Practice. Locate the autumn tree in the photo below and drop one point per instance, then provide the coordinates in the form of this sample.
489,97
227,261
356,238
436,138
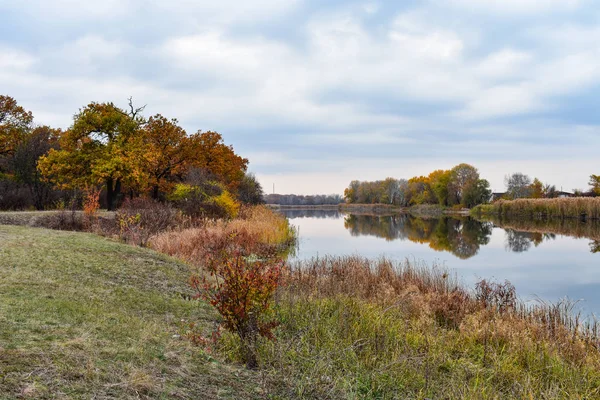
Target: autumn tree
209,152
536,189
164,152
477,192
15,122
420,192
351,192
390,188
97,150
439,181
23,162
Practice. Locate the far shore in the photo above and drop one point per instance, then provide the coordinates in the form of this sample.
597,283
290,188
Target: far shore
379,209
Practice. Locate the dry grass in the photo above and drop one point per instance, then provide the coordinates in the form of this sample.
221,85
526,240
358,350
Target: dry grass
358,328
573,207
192,244
434,291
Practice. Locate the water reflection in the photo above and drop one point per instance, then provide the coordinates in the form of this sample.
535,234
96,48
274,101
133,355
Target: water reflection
544,260
459,236
292,214
521,234
463,237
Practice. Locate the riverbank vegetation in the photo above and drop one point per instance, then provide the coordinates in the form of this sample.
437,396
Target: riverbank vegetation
562,208
357,328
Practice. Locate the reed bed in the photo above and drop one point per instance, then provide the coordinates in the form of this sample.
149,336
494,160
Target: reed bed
259,223
351,327
389,282
571,207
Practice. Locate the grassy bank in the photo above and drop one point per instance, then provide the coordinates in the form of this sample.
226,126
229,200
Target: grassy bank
83,317
574,207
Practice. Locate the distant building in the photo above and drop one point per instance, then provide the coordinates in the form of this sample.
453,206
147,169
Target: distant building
497,196
562,195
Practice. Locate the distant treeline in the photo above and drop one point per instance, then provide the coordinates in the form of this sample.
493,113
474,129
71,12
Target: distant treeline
301,200
460,186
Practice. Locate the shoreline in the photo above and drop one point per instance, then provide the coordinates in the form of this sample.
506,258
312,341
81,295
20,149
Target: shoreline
378,209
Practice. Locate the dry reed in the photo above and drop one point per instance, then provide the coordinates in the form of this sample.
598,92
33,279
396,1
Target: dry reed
570,207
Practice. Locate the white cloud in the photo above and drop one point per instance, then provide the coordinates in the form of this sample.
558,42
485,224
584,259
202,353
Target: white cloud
11,58
517,6
505,63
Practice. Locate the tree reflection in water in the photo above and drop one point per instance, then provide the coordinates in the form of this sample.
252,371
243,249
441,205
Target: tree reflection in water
520,242
522,233
459,236
299,213
464,236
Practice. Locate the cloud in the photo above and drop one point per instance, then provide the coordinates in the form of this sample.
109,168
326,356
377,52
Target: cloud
12,59
361,90
512,7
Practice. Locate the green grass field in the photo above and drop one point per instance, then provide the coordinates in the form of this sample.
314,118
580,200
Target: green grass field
84,317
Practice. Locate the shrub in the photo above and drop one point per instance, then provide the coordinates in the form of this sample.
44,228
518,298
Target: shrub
245,275
206,200
65,219
140,218
226,204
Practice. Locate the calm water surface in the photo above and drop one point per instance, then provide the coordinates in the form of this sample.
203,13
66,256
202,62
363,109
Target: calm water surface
545,261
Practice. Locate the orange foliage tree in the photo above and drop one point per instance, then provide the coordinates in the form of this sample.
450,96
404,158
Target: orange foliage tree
210,153
165,153
15,122
96,150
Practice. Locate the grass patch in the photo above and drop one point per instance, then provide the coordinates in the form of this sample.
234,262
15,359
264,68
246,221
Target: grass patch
85,317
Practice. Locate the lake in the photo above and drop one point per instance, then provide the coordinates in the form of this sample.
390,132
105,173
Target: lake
545,260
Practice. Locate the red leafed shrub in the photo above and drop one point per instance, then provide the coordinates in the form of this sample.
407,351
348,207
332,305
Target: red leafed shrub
244,276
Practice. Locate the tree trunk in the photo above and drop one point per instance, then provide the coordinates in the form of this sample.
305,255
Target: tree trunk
110,194
249,336
155,192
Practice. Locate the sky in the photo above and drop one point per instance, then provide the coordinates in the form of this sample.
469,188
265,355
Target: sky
318,93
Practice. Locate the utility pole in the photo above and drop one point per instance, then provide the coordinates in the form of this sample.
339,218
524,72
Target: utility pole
273,187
